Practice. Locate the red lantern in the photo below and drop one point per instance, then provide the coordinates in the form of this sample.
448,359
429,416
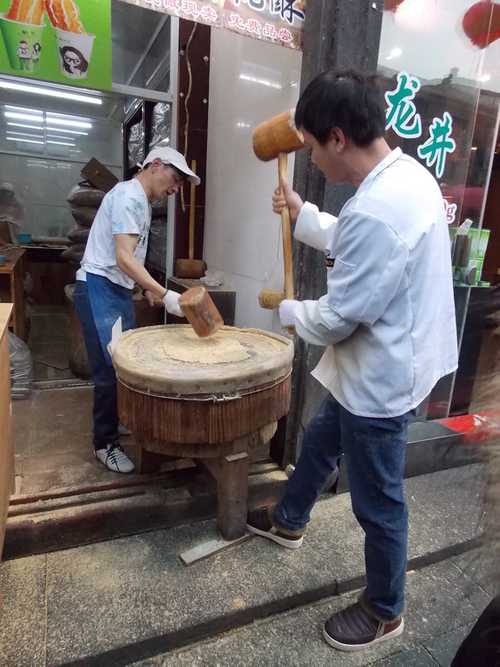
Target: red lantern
481,23
392,5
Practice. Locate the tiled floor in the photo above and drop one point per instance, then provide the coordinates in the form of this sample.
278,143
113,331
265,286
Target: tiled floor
123,600
53,441
49,343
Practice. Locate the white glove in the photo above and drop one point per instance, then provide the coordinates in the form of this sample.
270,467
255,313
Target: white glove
288,310
171,303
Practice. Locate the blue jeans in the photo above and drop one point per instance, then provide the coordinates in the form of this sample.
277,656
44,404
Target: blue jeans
374,452
97,336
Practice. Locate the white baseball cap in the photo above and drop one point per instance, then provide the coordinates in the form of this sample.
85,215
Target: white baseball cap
170,156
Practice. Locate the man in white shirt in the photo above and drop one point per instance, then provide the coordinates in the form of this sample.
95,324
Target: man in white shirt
112,264
388,325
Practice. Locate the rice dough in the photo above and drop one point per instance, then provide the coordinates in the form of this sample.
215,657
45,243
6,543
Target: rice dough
186,346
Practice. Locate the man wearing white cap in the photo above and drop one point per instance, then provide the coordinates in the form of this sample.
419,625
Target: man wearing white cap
112,264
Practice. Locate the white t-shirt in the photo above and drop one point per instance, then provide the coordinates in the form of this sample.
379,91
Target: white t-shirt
124,210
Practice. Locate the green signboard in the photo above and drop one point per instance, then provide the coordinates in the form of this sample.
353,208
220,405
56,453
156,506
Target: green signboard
57,40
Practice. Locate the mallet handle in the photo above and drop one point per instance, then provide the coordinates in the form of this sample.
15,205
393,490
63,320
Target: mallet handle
192,213
286,231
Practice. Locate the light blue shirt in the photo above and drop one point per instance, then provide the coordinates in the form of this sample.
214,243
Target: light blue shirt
124,210
388,318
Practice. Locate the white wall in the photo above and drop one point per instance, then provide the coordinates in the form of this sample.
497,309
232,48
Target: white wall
242,235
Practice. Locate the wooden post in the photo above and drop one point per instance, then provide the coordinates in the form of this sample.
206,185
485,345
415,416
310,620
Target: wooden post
232,495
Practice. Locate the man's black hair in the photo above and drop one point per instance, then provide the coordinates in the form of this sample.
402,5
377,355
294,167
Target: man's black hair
345,99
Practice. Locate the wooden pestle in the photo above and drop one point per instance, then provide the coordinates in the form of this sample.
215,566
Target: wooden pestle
200,311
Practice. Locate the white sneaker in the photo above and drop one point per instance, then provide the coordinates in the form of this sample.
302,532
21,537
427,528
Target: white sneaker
114,458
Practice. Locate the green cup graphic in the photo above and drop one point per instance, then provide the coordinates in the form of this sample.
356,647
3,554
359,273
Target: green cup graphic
23,43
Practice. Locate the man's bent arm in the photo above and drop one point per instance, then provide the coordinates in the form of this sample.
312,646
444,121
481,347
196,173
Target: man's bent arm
125,245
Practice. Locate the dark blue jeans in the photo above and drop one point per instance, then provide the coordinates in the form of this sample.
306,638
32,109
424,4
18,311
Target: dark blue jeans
374,454
105,410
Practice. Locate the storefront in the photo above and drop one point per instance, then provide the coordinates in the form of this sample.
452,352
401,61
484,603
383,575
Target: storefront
443,109
203,90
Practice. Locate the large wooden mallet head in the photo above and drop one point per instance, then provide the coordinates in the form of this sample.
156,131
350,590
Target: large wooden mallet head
272,139
200,311
277,135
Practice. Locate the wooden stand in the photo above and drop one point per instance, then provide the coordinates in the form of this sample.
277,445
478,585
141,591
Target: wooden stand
218,413
228,463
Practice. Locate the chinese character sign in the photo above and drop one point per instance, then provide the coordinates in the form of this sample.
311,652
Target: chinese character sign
66,42
402,117
278,21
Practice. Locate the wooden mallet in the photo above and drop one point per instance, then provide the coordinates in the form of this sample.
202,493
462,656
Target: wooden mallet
200,311
275,138
190,267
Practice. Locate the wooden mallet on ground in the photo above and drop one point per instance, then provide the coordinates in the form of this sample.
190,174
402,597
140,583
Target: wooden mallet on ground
275,138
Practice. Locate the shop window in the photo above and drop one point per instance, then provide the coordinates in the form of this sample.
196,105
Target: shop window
439,64
141,47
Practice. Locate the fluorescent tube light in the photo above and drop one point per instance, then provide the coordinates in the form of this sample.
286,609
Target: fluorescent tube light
60,143
38,112
59,129
28,141
25,134
49,92
23,116
63,129
27,127
57,136
68,123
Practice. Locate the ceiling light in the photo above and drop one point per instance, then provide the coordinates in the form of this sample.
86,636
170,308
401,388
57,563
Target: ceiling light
484,78
60,143
23,116
25,134
58,129
63,129
68,123
57,136
50,92
27,127
28,141
38,112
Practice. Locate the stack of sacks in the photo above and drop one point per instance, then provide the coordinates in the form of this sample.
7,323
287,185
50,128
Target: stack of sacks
84,200
21,367
156,257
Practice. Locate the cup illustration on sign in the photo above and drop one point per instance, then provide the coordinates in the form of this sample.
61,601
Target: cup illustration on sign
73,43
22,31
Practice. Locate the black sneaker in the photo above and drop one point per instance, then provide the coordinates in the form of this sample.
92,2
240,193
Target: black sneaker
354,629
260,522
